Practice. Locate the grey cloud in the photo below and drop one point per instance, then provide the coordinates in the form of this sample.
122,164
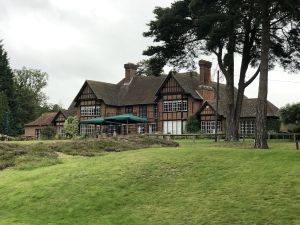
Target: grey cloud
104,42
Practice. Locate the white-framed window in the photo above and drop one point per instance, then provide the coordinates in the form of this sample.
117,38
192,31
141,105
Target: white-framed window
247,127
143,111
87,129
155,111
60,131
90,110
208,127
152,128
174,127
175,106
141,129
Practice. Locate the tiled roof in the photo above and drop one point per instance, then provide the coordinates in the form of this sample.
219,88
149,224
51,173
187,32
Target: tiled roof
190,82
105,91
142,90
248,108
70,112
44,120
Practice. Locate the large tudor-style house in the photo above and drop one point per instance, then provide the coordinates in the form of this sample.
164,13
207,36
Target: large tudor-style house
166,102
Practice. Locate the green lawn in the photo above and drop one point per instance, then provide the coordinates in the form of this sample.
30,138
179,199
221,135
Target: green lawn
197,183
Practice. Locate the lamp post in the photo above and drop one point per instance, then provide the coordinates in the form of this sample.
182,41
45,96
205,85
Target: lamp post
217,108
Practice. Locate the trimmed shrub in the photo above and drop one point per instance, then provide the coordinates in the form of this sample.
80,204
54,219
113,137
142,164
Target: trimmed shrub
192,124
47,133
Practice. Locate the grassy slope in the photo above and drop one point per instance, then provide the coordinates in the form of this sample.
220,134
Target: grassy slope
198,183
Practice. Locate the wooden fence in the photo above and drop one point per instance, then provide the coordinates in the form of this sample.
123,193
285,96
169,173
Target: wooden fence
288,136
295,137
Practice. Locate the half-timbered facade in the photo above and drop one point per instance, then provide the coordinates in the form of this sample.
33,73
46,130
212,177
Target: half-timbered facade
174,106
166,102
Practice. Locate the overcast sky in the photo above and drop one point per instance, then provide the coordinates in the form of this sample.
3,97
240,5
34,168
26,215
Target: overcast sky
75,40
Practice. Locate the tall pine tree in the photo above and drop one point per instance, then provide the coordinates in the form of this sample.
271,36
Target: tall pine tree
280,41
7,106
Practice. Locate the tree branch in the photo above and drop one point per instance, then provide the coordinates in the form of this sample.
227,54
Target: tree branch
220,62
253,77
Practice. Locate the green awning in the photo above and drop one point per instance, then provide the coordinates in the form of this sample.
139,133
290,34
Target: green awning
99,120
126,118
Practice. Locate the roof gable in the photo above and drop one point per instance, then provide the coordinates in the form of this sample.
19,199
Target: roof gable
84,88
100,90
46,119
206,109
58,115
190,83
169,82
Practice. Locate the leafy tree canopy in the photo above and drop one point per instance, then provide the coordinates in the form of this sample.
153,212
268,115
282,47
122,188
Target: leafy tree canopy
290,113
189,28
31,101
71,126
145,68
32,80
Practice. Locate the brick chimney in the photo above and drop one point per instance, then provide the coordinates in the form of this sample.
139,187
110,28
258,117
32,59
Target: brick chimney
205,72
205,89
130,70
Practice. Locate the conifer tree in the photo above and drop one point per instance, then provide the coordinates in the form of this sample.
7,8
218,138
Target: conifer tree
7,93
280,42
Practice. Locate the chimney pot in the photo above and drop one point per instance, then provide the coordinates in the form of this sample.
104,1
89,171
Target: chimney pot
205,72
130,70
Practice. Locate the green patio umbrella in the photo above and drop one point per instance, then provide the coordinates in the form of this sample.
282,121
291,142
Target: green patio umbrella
100,120
126,119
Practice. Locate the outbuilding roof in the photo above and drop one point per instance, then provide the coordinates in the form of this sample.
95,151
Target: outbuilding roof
45,119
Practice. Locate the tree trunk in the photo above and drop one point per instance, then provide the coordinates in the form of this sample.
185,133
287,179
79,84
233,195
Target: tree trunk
238,109
230,120
261,110
230,106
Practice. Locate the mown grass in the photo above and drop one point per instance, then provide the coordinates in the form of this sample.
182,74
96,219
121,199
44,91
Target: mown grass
196,183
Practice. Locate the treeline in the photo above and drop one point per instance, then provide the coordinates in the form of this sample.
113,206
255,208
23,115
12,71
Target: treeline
21,96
